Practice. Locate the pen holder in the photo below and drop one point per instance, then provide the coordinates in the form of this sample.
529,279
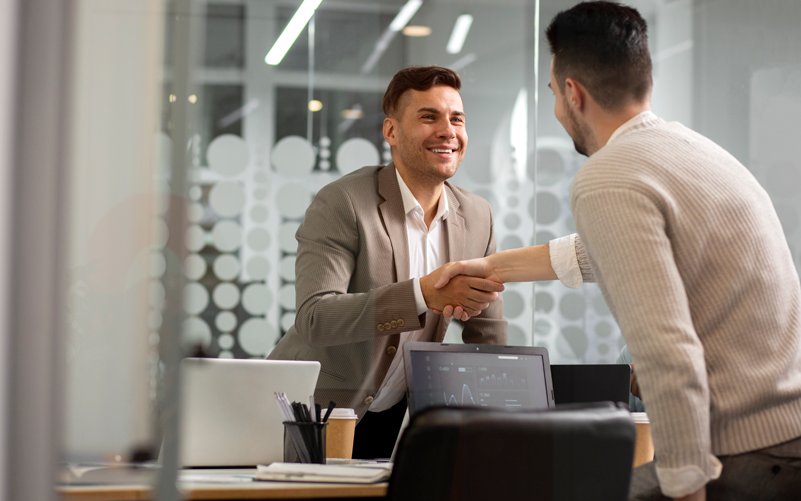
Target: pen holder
304,442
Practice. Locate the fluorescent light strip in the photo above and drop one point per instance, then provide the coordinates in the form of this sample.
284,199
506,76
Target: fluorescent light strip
404,16
291,32
459,33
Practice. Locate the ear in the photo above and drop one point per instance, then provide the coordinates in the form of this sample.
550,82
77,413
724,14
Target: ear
390,131
575,94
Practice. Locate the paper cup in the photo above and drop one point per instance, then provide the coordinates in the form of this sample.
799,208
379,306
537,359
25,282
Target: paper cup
643,445
341,428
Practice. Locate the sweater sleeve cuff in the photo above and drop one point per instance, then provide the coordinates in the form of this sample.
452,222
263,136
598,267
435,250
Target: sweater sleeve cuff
679,482
419,300
564,261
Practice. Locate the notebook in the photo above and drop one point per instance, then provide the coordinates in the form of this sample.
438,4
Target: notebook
585,383
466,375
229,416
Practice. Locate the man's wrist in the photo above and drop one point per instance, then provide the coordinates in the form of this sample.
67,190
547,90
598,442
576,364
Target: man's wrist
419,300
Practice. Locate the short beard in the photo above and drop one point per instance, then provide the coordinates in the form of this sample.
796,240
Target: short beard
579,133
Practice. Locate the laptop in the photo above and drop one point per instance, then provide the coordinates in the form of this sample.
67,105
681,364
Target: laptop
477,375
585,383
229,416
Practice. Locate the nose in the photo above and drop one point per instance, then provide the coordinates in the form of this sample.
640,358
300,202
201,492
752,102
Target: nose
446,130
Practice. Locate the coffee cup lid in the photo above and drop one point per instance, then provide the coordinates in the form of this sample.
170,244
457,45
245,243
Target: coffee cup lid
640,417
342,413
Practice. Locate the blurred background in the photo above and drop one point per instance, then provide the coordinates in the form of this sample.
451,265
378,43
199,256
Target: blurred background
156,163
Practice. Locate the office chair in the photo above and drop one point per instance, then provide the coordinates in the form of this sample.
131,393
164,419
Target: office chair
574,452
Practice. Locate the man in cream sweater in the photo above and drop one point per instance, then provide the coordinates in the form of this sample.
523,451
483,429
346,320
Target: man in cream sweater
691,259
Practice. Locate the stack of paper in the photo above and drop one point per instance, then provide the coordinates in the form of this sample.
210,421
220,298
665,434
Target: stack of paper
303,472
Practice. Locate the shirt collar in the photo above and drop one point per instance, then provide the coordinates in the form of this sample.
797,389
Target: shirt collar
410,203
638,119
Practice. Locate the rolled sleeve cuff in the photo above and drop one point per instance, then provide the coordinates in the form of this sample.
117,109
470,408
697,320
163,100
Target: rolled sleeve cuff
564,261
419,301
679,482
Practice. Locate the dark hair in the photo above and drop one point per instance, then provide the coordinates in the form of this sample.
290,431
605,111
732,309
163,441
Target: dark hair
418,78
603,45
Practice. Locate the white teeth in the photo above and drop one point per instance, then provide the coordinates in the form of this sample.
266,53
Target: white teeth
437,150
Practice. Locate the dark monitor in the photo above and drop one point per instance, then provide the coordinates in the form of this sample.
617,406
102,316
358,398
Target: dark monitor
585,383
477,376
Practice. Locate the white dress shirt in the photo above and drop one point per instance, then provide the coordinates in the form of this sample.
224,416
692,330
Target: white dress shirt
428,250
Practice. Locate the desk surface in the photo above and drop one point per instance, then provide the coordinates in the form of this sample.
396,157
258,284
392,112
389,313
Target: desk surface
221,491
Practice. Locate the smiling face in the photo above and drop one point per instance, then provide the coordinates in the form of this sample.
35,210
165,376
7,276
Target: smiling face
428,135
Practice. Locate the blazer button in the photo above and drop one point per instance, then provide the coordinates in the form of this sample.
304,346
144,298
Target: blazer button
387,326
380,327
400,322
368,400
394,324
391,350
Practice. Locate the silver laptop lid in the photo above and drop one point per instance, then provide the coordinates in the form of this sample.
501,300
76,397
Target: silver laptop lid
229,416
465,375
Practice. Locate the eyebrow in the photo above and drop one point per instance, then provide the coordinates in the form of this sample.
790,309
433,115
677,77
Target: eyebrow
434,110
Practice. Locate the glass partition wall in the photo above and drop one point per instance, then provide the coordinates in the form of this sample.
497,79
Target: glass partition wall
193,161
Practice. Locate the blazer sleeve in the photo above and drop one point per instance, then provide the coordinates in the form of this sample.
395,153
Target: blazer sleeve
327,312
489,327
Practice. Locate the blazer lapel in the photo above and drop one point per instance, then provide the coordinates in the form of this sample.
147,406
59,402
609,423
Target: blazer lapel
394,219
455,225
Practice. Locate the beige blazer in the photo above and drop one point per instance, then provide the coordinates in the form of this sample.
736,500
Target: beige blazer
353,292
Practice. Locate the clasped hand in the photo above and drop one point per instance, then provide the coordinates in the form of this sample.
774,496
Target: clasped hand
449,291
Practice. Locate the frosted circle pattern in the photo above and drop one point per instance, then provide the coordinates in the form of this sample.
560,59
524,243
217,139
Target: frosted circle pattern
543,301
227,198
158,264
782,179
356,153
286,297
156,295
195,193
286,237
490,197
512,221
225,321
572,306
600,307
225,354
572,342
325,142
293,156
603,349
226,296
194,238
603,329
196,298
225,341
195,212
286,268
258,268
293,200
511,242
255,336
227,267
788,217
228,155
549,169
543,237
260,177
154,320
195,332
161,233
542,328
259,193
512,202
515,336
548,207
287,321
513,185
258,239
194,266
513,304
227,236
570,223
259,213
256,299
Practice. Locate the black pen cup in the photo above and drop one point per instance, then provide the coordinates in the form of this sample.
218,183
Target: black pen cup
304,442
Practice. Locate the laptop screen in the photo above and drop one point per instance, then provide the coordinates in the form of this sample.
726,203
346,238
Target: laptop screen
477,376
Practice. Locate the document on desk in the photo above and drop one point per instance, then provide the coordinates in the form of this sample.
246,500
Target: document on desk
339,474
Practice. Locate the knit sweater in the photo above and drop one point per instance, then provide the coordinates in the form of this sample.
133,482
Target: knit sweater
690,256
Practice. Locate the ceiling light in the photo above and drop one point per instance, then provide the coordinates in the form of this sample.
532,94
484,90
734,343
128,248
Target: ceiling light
416,31
459,33
315,105
192,99
354,114
405,15
397,24
291,32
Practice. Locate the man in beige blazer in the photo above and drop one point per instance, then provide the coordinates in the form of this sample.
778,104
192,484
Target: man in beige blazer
366,252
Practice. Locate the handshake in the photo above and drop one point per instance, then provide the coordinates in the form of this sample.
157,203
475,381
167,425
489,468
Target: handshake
462,289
